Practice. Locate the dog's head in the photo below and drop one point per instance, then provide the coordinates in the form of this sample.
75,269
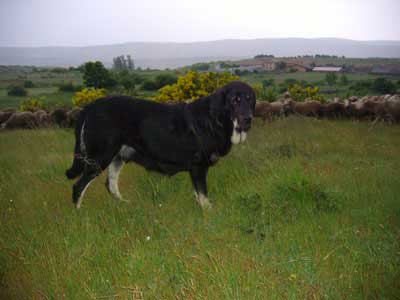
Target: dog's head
238,101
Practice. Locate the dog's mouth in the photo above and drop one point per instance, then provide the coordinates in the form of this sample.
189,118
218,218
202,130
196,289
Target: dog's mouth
239,133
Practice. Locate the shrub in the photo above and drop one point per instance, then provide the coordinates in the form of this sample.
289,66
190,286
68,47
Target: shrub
128,80
31,104
299,93
200,67
86,96
162,80
17,91
150,85
331,78
28,84
361,87
59,70
263,93
290,81
344,80
384,86
68,87
194,85
267,82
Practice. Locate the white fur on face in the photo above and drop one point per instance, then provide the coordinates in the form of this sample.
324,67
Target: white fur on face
243,136
237,137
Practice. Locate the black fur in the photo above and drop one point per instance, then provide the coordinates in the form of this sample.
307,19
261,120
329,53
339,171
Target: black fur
165,138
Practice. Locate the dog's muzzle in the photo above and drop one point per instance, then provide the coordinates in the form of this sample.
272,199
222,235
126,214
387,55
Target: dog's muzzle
244,124
240,129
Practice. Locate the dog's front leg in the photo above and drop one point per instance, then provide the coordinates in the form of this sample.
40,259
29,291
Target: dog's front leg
199,180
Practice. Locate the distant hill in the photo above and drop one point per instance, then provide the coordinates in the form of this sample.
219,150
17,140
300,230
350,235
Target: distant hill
172,55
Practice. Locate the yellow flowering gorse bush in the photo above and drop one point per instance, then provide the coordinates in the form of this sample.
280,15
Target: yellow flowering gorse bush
32,104
86,96
193,85
299,93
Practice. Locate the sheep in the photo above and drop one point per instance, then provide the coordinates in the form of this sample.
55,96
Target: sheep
266,110
59,117
392,108
309,108
42,118
374,108
72,116
4,116
25,119
333,110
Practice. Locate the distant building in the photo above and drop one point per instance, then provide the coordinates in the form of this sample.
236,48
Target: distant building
297,67
249,65
257,64
327,69
389,69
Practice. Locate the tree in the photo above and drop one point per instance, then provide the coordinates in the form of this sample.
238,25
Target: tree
384,86
130,64
128,80
344,80
331,78
264,56
17,90
96,75
122,63
267,82
200,67
160,81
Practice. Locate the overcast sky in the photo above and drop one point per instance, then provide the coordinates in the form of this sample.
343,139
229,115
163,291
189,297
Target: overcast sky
94,22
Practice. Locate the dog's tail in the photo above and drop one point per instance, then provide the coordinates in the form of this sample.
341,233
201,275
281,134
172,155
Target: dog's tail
79,152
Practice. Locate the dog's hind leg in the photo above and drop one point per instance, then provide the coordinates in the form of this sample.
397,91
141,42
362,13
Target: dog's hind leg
199,180
113,173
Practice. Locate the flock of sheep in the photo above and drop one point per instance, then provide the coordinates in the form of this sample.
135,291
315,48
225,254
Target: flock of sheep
385,108
12,119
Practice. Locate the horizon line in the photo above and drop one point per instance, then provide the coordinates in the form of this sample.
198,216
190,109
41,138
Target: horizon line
200,41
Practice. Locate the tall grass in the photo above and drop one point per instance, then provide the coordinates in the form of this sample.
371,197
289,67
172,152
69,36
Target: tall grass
306,209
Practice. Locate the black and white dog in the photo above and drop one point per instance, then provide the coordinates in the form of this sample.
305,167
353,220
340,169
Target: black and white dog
160,137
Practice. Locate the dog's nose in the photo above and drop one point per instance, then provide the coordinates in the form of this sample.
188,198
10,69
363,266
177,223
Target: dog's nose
247,123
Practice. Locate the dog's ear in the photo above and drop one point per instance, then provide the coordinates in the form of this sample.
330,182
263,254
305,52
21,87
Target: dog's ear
218,102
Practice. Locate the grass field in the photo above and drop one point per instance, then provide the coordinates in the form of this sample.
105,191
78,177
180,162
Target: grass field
305,209
50,95
311,77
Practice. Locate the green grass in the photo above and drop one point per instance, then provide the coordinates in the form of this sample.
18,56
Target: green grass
40,79
51,97
305,209
311,77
